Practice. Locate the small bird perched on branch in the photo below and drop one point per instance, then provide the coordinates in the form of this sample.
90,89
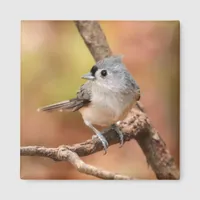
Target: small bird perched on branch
105,98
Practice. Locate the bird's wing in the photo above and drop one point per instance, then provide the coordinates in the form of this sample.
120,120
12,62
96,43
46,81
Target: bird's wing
84,92
135,88
82,98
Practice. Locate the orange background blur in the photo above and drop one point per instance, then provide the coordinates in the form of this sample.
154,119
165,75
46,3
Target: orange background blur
53,58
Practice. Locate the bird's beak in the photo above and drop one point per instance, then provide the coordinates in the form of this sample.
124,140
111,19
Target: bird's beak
88,76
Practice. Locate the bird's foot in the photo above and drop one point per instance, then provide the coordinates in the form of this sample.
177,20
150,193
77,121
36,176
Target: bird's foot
103,141
120,134
99,135
94,137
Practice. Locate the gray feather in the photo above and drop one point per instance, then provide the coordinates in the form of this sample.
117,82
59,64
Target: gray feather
119,82
82,99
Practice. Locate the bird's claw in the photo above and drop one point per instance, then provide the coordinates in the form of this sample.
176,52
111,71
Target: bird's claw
94,137
120,134
105,146
103,141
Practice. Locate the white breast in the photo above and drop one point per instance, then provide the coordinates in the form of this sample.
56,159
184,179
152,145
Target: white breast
106,108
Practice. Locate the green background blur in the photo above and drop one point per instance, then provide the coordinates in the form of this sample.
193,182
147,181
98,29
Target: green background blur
53,58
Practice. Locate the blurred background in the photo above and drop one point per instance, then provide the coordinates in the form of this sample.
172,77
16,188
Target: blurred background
53,58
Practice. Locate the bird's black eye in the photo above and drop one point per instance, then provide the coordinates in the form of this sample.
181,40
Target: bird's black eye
103,72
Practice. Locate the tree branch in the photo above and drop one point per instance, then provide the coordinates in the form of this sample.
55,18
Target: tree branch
63,153
94,39
136,126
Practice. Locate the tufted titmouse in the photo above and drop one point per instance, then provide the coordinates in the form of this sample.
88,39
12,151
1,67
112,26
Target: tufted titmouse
105,98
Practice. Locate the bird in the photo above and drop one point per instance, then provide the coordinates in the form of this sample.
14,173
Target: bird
105,98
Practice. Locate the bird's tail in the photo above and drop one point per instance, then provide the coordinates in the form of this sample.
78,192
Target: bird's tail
55,106
69,105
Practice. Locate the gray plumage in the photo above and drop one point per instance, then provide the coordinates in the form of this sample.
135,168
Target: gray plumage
120,83
105,98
